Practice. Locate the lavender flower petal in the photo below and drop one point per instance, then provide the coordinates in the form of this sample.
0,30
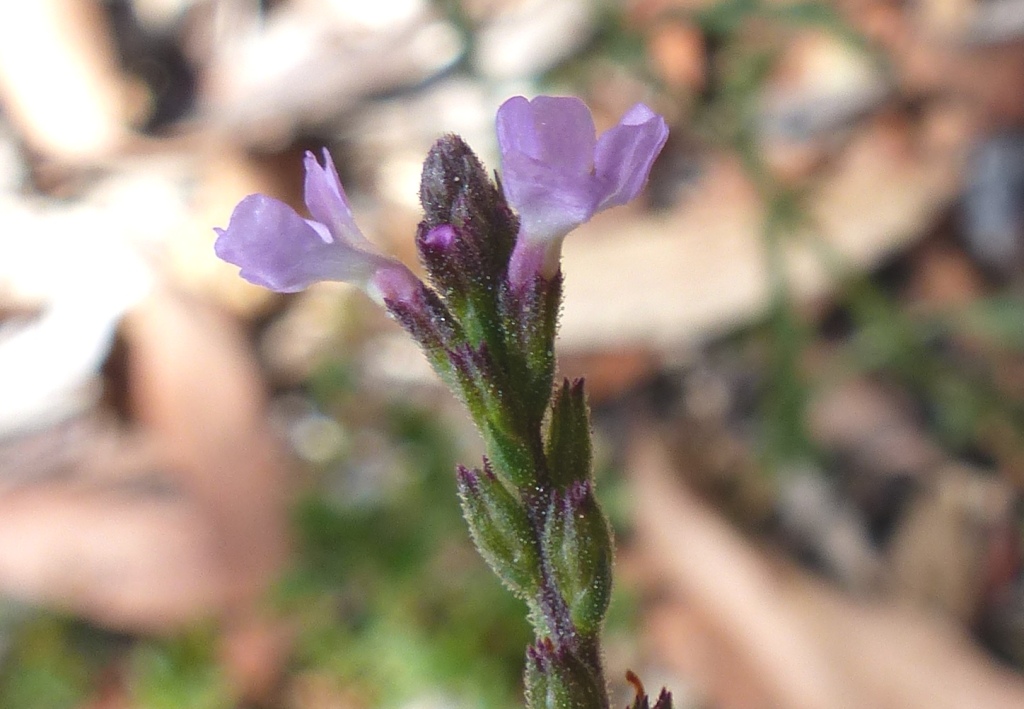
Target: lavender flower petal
549,202
625,154
547,158
279,250
556,174
328,203
557,131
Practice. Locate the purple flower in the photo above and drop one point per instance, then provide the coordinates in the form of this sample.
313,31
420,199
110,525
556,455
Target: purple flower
557,173
278,249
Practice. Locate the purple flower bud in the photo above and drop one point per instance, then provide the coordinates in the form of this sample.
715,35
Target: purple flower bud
440,238
557,173
568,440
278,249
578,544
500,528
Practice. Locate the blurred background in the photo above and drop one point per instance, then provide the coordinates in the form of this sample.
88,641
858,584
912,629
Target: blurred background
804,348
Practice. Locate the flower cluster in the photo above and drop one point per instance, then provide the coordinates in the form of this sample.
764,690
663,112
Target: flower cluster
487,320
556,174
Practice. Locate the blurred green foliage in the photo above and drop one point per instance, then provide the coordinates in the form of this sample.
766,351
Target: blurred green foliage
387,595
49,664
54,662
181,673
389,598
391,595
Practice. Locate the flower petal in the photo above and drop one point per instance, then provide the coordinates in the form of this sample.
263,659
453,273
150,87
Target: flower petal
549,205
556,130
547,157
328,203
517,132
625,154
279,250
556,174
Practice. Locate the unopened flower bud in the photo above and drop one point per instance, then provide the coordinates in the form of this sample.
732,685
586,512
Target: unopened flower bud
455,190
578,542
500,528
529,316
568,445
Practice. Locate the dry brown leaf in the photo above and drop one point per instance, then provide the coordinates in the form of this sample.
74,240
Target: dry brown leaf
59,78
804,645
125,560
195,385
673,279
180,516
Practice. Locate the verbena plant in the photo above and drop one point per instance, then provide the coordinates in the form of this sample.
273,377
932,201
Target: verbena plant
487,322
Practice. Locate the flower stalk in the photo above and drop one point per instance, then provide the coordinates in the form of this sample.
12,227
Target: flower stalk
487,320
